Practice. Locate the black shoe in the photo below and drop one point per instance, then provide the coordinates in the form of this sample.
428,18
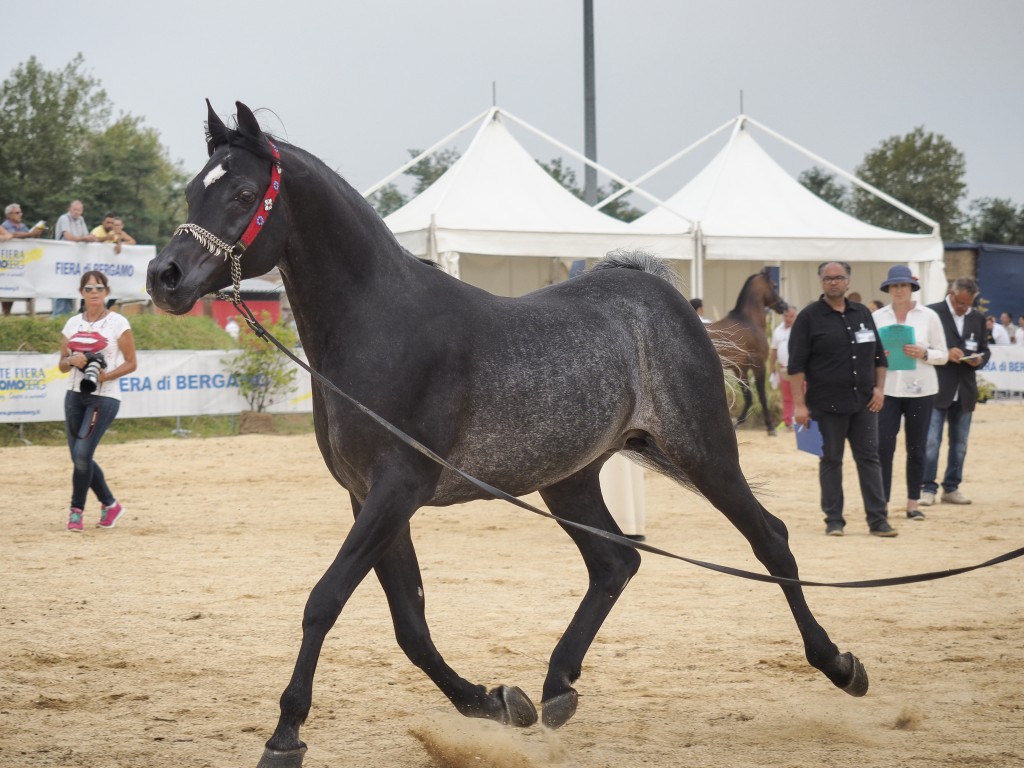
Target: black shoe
885,530
834,529
915,514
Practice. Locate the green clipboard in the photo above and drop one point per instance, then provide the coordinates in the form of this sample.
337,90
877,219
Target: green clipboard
893,338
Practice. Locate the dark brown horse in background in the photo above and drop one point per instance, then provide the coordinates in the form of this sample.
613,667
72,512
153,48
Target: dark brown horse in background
742,341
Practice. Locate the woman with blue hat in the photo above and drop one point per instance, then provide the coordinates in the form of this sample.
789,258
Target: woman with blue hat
914,343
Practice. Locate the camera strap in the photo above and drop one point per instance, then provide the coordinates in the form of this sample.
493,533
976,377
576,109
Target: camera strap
92,414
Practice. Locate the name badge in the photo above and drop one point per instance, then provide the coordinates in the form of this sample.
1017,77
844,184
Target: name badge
972,345
864,335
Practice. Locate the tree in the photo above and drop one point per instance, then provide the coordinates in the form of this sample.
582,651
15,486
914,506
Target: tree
922,170
57,143
390,198
387,199
126,171
46,119
996,220
824,185
263,372
617,208
431,168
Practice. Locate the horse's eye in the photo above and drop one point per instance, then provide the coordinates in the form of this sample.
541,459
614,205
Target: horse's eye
246,197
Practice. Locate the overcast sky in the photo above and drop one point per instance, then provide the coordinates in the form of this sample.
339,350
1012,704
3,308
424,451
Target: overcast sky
359,83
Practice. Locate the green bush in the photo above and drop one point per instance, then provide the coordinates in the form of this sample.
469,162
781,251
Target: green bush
263,372
42,334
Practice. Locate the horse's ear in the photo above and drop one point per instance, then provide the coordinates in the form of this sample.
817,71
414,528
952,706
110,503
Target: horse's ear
216,131
248,125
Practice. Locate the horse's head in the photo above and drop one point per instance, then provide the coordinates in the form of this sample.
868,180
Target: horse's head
770,292
229,202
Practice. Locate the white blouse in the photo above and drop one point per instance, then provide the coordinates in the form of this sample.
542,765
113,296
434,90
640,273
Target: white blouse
928,332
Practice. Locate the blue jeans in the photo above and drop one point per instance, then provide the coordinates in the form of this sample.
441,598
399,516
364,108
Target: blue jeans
86,419
959,428
62,307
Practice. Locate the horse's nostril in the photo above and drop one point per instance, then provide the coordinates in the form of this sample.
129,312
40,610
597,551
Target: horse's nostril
170,277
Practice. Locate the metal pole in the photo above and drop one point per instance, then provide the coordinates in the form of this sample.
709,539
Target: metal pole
589,100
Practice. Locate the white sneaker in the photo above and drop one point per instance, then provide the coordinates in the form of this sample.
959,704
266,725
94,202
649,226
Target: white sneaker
954,497
927,499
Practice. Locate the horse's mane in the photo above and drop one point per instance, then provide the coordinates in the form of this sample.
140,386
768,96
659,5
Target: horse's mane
235,138
639,260
737,311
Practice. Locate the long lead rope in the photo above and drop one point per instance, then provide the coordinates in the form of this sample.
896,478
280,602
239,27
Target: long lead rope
264,334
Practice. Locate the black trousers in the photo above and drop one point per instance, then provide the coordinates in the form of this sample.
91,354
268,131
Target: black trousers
861,430
916,414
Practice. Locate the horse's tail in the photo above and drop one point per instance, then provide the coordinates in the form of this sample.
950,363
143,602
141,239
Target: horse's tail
639,260
644,452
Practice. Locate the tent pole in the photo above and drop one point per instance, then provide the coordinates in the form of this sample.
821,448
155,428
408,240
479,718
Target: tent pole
851,178
663,165
426,153
576,155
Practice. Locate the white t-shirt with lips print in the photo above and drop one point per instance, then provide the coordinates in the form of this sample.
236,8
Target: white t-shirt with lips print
109,328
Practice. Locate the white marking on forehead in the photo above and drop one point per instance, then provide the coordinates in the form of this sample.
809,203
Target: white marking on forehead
215,174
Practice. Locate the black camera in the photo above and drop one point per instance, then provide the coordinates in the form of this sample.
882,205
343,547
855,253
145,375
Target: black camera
95,362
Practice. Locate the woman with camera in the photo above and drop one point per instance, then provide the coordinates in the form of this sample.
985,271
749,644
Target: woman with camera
97,347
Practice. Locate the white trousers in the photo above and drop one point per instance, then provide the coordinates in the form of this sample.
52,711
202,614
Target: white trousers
622,485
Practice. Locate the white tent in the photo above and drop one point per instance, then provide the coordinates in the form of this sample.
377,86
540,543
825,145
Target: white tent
748,212
498,220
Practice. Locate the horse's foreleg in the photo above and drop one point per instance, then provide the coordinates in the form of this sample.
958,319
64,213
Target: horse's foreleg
762,396
399,574
386,513
726,488
610,567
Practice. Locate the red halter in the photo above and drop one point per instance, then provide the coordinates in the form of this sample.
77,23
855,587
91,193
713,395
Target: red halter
263,212
218,247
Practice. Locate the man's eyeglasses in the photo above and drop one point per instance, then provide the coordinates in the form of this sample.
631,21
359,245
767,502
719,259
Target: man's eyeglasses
834,278
93,288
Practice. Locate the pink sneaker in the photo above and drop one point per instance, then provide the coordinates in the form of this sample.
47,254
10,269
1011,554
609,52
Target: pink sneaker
110,514
75,520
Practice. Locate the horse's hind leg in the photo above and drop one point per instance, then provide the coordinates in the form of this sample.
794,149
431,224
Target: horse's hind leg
748,401
610,567
399,574
717,475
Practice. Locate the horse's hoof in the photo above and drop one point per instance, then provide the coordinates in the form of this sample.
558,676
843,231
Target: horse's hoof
772,433
519,710
558,711
274,759
857,685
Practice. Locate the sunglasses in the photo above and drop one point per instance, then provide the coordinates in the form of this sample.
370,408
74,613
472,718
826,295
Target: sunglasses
94,288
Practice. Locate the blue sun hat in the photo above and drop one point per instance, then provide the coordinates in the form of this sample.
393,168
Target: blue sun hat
900,274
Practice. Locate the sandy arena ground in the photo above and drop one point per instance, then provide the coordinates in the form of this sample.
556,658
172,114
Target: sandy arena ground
168,640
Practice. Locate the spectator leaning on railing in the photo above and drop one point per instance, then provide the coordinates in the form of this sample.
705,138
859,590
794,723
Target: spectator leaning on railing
71,227
16,227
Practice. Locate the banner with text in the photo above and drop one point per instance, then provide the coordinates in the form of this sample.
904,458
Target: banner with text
167,383
51,269
1005,369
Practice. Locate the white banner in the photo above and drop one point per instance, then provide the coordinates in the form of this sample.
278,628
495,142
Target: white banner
52,269
169,383
1005,369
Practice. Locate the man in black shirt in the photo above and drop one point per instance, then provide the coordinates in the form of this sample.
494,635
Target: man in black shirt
834,347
